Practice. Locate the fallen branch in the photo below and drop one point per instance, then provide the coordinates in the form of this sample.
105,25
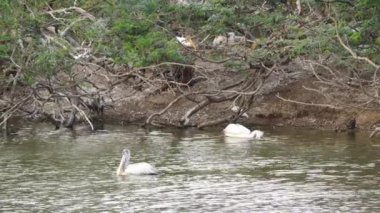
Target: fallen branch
7,114
308,104
85,116
148,121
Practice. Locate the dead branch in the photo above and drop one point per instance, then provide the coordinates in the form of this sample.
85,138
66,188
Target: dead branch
9,112
226,94
79,10
185,120
148,121
85,116
308,104
353,54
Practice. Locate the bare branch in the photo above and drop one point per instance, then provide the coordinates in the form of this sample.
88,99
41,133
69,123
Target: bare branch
85,116
353,54
79,10
148,121
308,104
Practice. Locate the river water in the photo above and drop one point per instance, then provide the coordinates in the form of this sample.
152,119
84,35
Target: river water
291,170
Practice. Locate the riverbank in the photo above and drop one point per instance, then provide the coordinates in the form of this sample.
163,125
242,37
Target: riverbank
151,63
283,101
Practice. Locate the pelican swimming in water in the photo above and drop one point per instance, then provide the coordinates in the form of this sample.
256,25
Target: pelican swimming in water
134,169
240,131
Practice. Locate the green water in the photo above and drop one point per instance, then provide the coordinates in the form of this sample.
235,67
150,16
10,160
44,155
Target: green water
201,171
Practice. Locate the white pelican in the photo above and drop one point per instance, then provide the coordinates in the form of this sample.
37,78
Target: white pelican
134,169
240,131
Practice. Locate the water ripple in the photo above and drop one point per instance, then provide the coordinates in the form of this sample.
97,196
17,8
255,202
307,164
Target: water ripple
200,172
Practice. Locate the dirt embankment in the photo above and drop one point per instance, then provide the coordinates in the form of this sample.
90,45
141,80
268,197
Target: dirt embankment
312,110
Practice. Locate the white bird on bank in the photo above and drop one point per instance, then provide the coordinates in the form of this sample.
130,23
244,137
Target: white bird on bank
230,39
240,131
134,169
186,41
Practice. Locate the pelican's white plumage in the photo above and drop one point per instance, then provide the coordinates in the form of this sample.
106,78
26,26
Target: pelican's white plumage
240,131
134,169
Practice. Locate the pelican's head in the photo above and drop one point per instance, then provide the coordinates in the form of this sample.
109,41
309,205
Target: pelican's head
126,155
126,152
257,134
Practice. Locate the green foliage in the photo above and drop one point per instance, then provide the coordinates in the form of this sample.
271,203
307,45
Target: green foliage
151,48
144,41
48,61
7,26
356,38
141,32
377,41
4,49
262,54
236,65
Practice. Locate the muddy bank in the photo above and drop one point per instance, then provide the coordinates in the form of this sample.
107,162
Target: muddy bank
275,95
269,111
283,101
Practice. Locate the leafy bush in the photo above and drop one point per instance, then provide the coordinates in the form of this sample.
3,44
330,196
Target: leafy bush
142,32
